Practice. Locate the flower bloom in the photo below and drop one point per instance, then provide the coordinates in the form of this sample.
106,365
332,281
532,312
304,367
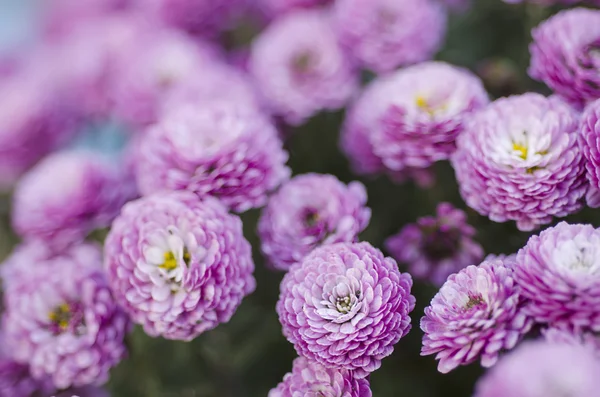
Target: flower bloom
572,336
15,380
518,159
276,8
565,54
477,312
63,321
385,34
299,67
539,368
559,273
589,137
178,265
310,378
436,247
345,306
215,148
308,211
69,194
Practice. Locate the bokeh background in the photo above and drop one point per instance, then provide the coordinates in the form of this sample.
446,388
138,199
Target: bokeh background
249,355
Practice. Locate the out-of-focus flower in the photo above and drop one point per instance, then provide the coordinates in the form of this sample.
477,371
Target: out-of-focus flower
518,159
276,8
311,379
178,265
565,54
539,368
63,321
385,34
346,306
299,67
308,211
552,2
476,313
68,195
573,336
15,380
215,148
559,273
589,137
436,247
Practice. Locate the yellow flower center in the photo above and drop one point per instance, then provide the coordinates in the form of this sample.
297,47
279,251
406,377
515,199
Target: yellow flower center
522,149
61,316
170,262
425,106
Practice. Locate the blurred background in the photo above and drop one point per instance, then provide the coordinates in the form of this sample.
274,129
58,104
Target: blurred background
249,356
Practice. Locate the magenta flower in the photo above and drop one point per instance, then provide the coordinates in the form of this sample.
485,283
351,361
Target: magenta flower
385,34
63,321
539,368
476,313
68,195
213,148
573,336
276,8
589,138
299,67
436,247
179,266
345,306
311,379
15,380
308,211
559,273
565,54
518,159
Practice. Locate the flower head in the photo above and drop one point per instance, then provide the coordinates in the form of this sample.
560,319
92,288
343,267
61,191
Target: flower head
476,313
215,148
436,247
310,379
518,159
276,8
385,34
565,54
345,306
573,336
559,273
299,67
308,211
178,265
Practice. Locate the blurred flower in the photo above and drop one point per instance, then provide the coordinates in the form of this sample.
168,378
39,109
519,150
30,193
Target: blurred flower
565,54
63,321
311,379
476,313
308,211
539,368
559,272
299,67
276,8
15,380
345,306
589,136
179,266
572,336
385,34
213,148
436,247
518,159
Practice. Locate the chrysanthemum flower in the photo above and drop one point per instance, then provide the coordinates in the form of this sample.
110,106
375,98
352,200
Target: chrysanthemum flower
559,273
312,379
345,306
572,336
436,247
518,159
300,68
385,34
308,211
476,313
565,54
178,265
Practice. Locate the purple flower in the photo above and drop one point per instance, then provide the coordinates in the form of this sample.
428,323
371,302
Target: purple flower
539,368
299,67
15,380
310,379
565,54
518,159
308,211
275,8
572,336
179,266
69,194
477,312
589,137
559,273
215,148
63,321
436,247
346,306
385,34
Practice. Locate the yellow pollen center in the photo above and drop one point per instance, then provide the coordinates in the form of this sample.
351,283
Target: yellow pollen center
423,105
170,262
522,149
61,316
